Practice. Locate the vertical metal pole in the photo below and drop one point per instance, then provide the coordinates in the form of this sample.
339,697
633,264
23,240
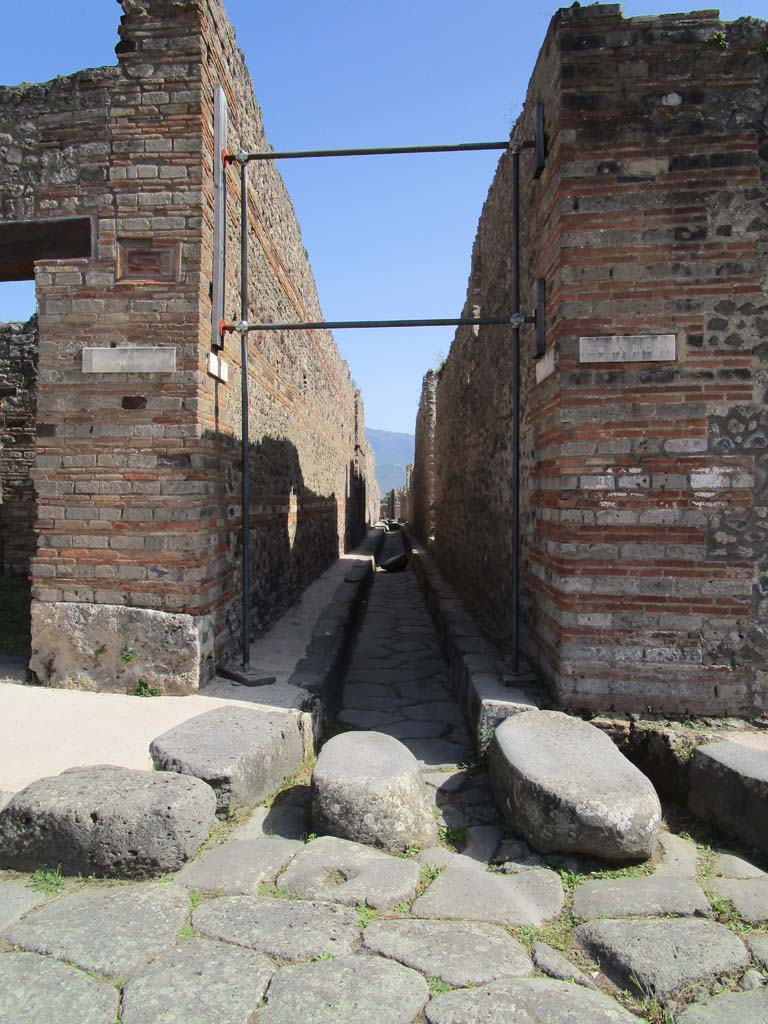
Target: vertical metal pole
244,414
515,158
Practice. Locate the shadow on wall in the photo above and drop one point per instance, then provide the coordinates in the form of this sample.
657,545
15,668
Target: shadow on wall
356,507
294,535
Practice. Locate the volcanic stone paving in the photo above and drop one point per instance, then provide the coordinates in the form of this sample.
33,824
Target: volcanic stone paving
272,924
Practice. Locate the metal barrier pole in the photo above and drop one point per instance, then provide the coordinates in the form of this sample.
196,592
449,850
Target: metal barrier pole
244,415
515,631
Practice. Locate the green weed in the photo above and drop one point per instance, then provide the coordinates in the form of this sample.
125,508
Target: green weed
47,880
143,689
437,986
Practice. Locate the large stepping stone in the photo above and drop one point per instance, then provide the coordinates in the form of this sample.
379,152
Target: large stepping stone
459,953
566,788
36,990
345,872
729,788
466,892
113,931
16,899
367,787
729,1008
107,821
748,895
285,929
653,896
662,956
240,866
200,981
345,990
243,753
529,1000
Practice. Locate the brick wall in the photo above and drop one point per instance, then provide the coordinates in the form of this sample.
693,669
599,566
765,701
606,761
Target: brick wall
644,498
422,484
18,407
138,475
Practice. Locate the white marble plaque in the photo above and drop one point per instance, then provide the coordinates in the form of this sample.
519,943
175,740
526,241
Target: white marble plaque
218,368
127,359
545,366
629,348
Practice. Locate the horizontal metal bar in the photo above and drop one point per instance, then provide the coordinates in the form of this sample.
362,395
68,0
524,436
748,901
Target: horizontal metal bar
245,156
340,325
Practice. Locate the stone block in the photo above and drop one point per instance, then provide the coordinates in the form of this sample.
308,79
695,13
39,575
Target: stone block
244,754
729,789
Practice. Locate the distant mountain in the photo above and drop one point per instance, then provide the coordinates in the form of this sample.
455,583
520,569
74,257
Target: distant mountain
393,452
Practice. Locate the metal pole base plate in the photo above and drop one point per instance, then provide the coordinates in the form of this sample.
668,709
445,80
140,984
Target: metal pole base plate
247,677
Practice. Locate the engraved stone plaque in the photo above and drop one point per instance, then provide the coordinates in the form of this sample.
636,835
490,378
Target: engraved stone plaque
129,360
218,368
628,348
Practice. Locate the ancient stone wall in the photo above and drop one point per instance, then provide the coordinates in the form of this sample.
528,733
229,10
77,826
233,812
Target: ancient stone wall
643,497
18,409
138,471
421,494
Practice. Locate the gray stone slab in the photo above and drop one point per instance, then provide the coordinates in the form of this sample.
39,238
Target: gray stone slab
748,895
201,981
650,896
408,730
528,1000
113,930
481,842
728,787
36,990
758,945
245,754
464,891
349,873
679,857
239,866
428,692
566,788
732,865
457,952
549,961
436,857
514,855
446,782
345,990
107,820
729,1008
283,821
285,929
16,899
752,979
437,753
367,787
372,719
436,711
663,956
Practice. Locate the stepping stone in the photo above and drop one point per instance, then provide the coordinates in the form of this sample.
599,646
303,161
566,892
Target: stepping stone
565,787
465,892
36,989
243,753
550,962
239,866
733,866
113,931
679,857
200,981
284,929
345,990
651,896
529,1000
728,788
349,873
367,787
108,821
459,953
748,895
729,1008
661,957
16,899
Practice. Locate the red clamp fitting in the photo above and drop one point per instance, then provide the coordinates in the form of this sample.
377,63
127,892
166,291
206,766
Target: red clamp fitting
225,327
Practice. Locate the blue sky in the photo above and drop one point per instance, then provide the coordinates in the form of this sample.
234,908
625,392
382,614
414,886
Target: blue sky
388,237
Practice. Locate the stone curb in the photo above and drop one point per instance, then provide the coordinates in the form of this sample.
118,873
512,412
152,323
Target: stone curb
487,693
321,670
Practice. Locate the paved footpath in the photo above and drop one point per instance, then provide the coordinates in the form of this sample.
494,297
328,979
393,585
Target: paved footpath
271,924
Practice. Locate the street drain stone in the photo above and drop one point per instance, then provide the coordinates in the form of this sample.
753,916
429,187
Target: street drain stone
349,873
201,981
349,988
292,930
245,754
367,787
113,931
36,989
106,820
459,953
